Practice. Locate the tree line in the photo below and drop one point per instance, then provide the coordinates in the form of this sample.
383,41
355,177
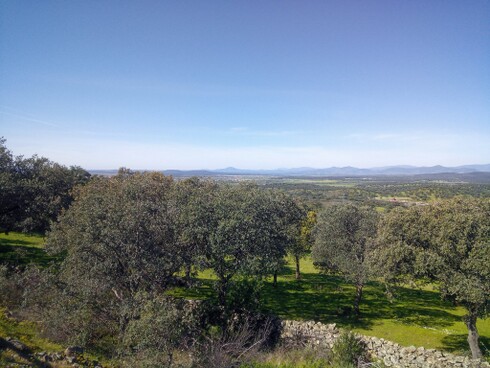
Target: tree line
34,190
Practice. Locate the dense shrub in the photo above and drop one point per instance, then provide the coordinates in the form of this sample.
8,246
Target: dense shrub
34,190
164,325
348,351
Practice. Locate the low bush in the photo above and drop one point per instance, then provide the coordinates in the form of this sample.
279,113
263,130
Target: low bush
348,351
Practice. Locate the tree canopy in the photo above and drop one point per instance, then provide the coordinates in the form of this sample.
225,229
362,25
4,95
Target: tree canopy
195,219
118,239
344,237
135,232
302,246
253,230
447,242
34,190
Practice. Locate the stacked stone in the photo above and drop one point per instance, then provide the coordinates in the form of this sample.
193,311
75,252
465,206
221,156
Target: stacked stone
309,333
392,354
72,355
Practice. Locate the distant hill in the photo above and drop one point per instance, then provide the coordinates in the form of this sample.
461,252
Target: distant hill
353,171
332,171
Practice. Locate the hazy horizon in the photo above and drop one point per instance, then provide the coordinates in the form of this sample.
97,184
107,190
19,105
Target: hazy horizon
254,85
230,168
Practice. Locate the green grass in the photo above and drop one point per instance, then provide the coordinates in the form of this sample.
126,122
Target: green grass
22,249
14,239
25,332
28,334
416,317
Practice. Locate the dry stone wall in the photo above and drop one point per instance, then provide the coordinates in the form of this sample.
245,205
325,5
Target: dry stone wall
392,354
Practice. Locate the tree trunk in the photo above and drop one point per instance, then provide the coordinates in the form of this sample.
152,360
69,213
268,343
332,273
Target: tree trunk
274,283
298,274
358,298
473,334
222,289
188,269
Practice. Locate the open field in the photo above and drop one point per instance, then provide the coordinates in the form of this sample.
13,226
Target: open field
319,182
382,189
21,249
416,317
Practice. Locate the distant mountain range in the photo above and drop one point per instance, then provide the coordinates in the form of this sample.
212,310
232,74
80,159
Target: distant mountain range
354,171
332,171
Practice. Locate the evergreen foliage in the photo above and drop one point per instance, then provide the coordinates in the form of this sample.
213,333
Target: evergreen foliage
447,242
344,238
34,191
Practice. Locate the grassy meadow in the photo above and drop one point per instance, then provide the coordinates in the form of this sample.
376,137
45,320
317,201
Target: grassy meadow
22,249
28,334
416,317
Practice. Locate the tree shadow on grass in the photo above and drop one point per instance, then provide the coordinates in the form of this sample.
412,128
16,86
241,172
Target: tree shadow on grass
314,297
24,353
15,253
417,307
286,270
326,298
15,242
459,344
200,289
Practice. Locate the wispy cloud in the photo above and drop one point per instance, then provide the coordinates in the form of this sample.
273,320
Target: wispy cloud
185,89
26,117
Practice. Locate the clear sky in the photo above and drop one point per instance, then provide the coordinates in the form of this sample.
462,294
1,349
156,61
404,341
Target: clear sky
251,84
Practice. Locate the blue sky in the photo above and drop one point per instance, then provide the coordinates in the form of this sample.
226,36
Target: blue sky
250,84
